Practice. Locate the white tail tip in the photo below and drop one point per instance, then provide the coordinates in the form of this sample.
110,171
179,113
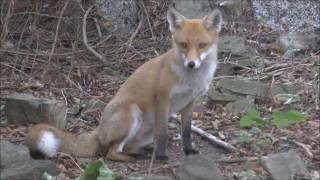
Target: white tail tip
48,144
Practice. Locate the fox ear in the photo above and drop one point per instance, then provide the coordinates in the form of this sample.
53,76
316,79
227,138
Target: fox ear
175,19
214,21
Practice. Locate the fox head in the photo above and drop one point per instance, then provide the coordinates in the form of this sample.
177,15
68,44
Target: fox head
194,39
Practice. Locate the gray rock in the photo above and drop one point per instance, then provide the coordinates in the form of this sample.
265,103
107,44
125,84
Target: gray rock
231,67
25,108
294,15
120,16
193,8
254,88
11,153
234,45
233,8
198,167
222,97
297,42
241,105
31,169
283,166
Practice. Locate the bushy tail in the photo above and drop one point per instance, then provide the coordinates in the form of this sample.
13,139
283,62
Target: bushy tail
47,140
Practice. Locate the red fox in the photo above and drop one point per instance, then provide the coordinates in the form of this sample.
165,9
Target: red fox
139,112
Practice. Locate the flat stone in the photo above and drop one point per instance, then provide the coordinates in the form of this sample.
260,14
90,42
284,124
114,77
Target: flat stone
25,108
198,167
283,166
28,170
255,88
298,42
222,97
241,105
234,45
119,16
193,8
11,153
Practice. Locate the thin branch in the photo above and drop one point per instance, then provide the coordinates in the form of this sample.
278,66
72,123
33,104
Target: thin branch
209,136
136,31
147,15
56,35
85,39
213,139
69,156
14,68
97,27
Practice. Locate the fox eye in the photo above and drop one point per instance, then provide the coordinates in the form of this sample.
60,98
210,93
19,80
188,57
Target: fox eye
183,45
202,45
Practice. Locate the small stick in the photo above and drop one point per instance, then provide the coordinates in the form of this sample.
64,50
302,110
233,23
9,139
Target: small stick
213,138
98,27
136,31
69,156
305,147
209,136
238,160
56,35
147,15
85,39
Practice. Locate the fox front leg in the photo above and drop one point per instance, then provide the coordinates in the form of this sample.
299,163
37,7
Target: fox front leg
186,117
161,136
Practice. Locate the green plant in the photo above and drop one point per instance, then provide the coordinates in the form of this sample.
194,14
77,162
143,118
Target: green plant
280,119
253,117
283,119
96,170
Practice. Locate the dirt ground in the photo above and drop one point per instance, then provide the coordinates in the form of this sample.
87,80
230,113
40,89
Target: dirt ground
71,73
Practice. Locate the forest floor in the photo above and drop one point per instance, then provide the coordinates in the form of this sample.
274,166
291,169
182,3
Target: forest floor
70,73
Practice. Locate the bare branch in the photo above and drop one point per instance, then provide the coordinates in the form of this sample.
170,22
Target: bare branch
85,39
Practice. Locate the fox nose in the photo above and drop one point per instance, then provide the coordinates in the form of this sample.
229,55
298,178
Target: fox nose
191,64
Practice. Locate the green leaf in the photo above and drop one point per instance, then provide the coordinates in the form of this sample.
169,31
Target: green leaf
96,170
280,119
295,116
246,121
260,123
254,113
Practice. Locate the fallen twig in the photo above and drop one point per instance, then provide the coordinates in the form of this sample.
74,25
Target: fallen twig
213,138
238,160
147,15
136,31
56,35
210,137
305,147
85,39
98,27
72,159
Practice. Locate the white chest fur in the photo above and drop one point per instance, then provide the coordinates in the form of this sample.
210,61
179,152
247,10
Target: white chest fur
193,83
